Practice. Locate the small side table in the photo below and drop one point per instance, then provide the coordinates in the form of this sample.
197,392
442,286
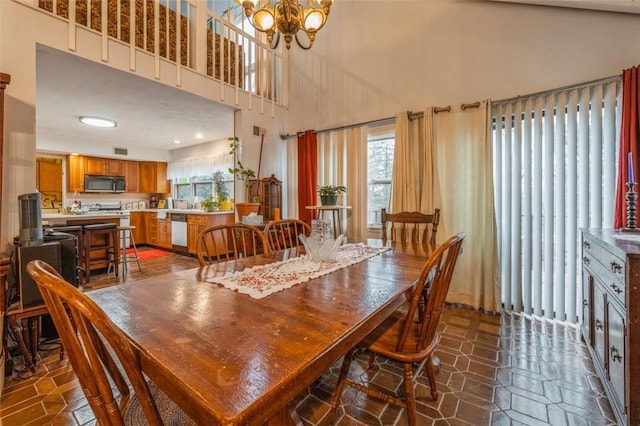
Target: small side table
336,216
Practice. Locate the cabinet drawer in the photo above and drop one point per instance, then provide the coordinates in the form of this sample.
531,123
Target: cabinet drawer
608,268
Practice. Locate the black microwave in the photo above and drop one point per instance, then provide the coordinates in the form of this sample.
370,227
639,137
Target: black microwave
100,183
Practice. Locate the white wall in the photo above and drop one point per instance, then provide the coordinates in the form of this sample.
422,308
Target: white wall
21,28
374,59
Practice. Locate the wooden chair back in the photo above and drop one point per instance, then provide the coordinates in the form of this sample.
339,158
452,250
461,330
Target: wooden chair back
231,241
283,234
431,289
89,357
410,226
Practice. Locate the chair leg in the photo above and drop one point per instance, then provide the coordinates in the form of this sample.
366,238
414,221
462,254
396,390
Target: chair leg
372,359
431,368
342,378
410,394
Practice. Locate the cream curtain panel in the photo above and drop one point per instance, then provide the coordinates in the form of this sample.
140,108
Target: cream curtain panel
463,144
291,179
199,166
415,171
444,160
342,160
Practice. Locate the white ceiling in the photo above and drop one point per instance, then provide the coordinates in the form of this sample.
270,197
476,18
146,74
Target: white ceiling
149,114
623,6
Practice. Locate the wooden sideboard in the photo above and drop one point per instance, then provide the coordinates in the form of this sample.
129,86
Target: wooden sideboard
611,316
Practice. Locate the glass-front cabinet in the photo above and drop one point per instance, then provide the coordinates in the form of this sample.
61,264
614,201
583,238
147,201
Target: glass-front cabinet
270,191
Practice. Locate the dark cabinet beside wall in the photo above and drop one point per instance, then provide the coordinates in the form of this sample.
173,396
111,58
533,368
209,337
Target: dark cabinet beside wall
611,315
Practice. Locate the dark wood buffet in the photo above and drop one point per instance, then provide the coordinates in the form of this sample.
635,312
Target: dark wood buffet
611,315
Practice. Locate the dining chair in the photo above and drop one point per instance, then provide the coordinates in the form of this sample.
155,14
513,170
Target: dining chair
283,234
91,340
410,226
409,337
230,241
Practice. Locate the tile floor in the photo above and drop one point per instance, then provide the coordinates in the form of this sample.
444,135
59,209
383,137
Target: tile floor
496,370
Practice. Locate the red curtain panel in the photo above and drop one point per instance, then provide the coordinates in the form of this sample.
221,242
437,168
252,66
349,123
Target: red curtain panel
628,142
307,173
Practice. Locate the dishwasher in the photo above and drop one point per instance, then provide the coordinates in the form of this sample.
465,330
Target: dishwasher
179,232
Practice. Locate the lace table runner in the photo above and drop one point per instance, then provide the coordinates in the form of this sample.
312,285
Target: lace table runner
263,280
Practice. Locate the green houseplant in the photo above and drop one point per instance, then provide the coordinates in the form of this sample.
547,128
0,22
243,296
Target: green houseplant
329,194
209,204
221,190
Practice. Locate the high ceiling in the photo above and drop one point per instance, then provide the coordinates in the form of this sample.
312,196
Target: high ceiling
623,6
149,114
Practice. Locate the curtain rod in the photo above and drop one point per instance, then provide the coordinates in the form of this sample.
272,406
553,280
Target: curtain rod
412,115
436,110
349,126
560,89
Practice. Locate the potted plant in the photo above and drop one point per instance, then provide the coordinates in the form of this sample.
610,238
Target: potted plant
329,194
244,174
221,190
209,204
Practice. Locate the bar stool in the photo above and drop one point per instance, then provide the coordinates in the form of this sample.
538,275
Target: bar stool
125,234
106,235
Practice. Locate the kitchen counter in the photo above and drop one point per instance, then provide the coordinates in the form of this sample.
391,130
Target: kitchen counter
187,211
66,219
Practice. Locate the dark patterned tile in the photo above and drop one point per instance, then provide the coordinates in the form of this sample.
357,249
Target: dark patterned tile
495,370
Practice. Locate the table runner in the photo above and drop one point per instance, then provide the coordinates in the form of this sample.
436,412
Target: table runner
263,280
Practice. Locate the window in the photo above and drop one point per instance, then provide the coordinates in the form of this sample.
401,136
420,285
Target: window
380,167
198,188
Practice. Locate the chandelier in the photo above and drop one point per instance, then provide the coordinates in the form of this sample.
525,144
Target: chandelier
287,18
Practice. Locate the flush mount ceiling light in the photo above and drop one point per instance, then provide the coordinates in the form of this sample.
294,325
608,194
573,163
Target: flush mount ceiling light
286,18
97,121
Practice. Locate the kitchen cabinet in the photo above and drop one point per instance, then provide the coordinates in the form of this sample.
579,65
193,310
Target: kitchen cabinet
196,223
151,228
153,178
75,173
270,191
103,166
611,305
131,170
137,219
49,176
164,232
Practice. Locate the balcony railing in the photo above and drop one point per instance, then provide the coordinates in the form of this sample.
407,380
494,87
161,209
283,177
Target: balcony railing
186,34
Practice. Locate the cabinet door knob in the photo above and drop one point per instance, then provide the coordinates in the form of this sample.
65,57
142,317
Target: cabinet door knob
599,325
615,355
616,289
585,260
616,268
586,244
585,302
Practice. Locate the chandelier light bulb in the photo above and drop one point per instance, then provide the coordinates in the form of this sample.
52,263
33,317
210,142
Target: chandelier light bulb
286,18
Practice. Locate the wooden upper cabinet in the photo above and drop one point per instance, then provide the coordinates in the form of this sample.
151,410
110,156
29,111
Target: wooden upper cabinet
104,166
75,173
153,178
49,177
131,176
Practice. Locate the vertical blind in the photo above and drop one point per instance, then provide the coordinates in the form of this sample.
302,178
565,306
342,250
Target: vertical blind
554,172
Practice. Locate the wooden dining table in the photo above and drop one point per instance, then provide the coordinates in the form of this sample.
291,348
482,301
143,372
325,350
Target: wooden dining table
227,358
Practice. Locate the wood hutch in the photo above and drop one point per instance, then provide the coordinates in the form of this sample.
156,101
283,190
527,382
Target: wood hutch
270,189
611,316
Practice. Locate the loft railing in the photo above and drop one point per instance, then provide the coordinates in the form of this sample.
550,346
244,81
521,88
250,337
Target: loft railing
187,34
